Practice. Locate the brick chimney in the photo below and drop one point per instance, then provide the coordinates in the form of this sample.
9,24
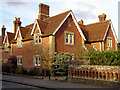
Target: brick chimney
17,23
43,11
81,22
102,17
3,32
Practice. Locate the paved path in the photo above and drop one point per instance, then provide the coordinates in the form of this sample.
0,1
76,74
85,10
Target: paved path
48,84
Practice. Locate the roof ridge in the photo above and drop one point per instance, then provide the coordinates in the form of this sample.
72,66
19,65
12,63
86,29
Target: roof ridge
9,32
98,22
58,14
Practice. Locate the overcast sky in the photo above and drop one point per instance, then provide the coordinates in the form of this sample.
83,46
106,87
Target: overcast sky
27,10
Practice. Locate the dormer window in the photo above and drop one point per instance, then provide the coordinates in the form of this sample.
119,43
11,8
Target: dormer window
6,46
37,38
19,43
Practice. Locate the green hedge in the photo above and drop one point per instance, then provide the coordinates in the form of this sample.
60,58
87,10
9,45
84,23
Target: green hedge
111,58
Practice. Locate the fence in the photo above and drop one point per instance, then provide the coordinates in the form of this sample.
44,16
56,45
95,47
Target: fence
94,72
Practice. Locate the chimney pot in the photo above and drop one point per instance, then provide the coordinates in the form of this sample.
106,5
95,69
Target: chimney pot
102,17
15,18
81,22
18,19
17,23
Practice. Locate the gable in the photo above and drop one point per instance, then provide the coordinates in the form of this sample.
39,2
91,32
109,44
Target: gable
18,33
36,27
5,39
110,27
76,24
36,30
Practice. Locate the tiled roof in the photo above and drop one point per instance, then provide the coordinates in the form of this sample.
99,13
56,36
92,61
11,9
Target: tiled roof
92,32
96,31
11,36
54,22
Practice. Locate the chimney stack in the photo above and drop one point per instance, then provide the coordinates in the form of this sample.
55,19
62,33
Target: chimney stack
17,23
3,32
43,11
81,22
102,17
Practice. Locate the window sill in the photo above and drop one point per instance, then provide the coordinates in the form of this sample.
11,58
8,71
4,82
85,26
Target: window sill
19,47
6,51
69,44
36,44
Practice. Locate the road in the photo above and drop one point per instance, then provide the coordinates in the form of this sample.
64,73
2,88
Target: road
11,85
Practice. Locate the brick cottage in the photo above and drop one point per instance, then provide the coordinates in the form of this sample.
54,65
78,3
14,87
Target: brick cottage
36,44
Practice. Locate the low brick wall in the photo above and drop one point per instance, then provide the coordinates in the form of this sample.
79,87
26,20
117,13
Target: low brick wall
111,73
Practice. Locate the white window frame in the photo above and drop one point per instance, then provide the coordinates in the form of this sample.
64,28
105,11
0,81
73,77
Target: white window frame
19,60
69,38
37,60
109,42
6,46
37,38
19,42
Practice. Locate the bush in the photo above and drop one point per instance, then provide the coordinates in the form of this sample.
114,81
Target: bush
60,64
18,70
5,68
111,58
34,72
24,72
12,62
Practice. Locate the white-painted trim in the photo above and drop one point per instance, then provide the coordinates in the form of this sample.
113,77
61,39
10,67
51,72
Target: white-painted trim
17,33
106,32
114,33
34,27
5,38
112,28
95,48
75,21
85,47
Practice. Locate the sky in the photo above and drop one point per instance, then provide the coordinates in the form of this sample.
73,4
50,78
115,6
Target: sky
28,10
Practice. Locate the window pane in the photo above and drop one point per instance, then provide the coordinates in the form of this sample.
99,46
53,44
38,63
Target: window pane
38,61
39,39
20,43
17,61
20,60
71,39
66,37
36,41
35,61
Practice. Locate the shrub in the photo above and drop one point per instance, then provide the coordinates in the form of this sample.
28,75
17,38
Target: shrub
34,72
5,68
60,64
24,72
12,62
111,58
18,70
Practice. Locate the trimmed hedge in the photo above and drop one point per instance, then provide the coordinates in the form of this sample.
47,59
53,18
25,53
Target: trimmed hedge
111,58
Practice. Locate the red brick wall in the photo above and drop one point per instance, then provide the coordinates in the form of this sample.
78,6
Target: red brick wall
110,34
60,37
5,55
29,49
